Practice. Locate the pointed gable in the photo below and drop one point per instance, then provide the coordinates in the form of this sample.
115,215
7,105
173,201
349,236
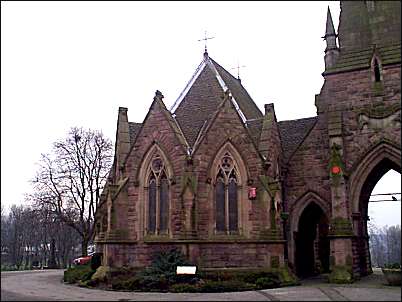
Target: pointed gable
204,94
198,105
157,123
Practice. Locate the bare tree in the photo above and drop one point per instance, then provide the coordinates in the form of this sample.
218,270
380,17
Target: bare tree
16,240
70,179
393,238
5,237
385,244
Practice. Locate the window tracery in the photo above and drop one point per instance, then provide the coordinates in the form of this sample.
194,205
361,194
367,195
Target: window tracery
226,196
158,197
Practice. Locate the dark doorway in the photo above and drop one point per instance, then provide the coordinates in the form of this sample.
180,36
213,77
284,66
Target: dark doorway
312,244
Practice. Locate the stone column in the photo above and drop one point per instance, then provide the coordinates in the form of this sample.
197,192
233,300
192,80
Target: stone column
340,229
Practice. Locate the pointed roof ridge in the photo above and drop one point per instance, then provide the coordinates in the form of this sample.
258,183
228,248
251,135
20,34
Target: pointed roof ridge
190,83
257,111
329,28
202,94
225,87
209,123
211,65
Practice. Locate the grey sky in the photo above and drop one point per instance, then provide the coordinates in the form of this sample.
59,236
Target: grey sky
67,64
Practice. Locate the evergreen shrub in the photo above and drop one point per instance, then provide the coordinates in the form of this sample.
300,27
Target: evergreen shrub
78,273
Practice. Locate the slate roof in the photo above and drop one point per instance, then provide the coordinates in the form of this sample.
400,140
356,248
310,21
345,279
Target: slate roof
293,133
134,128
361,29
205,93
255,127
362,58
247,105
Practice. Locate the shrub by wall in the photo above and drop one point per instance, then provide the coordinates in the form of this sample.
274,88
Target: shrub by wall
78,273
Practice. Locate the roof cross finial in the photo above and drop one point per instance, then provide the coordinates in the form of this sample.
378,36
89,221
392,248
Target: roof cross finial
205,39
238,69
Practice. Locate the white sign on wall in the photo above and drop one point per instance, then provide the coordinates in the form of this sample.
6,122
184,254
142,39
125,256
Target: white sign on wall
188,270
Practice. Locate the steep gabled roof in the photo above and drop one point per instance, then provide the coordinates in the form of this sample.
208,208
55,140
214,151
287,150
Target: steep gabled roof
293,133
203,94
240,94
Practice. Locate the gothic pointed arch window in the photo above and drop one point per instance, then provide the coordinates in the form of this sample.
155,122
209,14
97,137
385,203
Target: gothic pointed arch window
158,197
226,196
376,69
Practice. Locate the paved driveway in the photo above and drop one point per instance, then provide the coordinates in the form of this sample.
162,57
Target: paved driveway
47,286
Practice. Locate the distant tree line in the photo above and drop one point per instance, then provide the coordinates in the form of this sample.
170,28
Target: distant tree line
59,214
35,237
385,245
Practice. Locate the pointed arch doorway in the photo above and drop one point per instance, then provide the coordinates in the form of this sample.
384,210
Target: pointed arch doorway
311,242
381,158
363,265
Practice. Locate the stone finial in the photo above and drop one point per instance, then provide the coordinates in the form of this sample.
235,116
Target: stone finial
269,108
332,50
158,95
329,30
330,35
270,112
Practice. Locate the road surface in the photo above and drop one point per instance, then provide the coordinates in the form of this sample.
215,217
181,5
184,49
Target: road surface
47,285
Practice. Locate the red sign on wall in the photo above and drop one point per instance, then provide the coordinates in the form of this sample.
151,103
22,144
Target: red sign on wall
252,193
336,170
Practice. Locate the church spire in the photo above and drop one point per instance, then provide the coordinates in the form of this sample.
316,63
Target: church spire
332,50
330,35
329,30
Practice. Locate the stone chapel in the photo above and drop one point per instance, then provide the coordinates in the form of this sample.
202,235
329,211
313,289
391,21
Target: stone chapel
233,187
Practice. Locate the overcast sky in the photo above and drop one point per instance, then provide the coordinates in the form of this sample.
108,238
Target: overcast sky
66,64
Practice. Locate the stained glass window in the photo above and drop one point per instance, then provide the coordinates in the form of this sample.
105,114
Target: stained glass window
152,206
220,205
158,197
232,205
226,196
164,206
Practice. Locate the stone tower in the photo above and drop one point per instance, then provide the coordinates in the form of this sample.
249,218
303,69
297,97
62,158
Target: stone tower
361,102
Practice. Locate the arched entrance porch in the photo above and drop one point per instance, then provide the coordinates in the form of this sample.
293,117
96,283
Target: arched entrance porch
374,165
310,203
311,242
